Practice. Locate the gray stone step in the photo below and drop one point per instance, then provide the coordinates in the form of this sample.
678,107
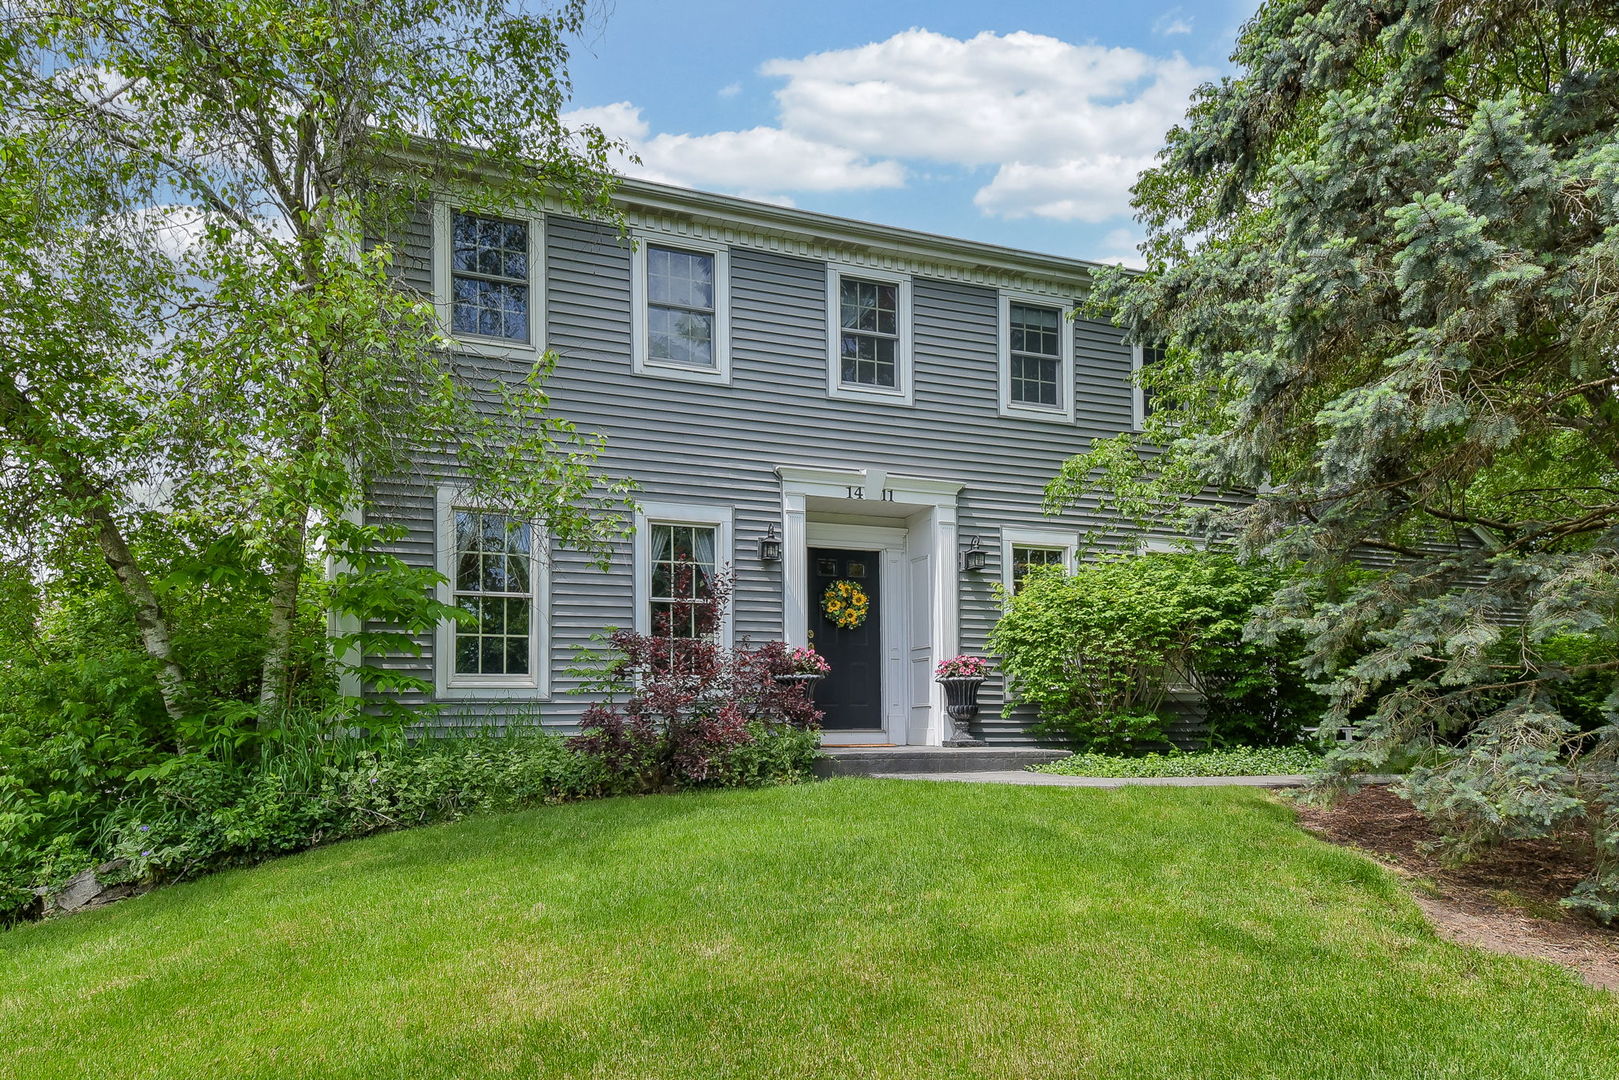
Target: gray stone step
883,760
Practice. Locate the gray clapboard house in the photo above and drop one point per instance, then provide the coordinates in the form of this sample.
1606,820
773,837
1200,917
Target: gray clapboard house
882,402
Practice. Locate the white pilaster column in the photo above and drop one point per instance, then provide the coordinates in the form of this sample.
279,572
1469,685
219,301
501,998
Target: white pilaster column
794,570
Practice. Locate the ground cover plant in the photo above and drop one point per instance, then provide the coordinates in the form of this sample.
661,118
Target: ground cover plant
1230,761
850,928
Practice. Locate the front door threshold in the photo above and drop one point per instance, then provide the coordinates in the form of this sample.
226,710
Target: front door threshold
876,737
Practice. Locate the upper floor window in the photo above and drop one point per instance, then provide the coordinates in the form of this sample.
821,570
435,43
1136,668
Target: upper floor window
486,273
1037,358
869,313
492,571
868,326
1143,356
681,301
489,277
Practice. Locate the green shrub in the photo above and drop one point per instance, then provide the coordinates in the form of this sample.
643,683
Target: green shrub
774,754
1096,652
192,814
1241,761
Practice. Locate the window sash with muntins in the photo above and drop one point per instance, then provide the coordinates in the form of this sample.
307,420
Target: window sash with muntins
684,561
681,306
1026,557
1150,354
494,581
490,294
869,332
1035,338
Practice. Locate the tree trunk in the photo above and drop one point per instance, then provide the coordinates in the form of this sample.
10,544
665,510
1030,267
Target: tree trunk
275,684
172,681
22,419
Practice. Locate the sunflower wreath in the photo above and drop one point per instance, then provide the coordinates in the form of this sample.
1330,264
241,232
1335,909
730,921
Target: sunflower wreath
846,604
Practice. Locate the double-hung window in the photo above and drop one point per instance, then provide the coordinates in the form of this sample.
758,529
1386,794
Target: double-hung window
681,308
869,316
1026,558
1023,550
486,269
1037,358
683,570
680,551
493,572
1141,358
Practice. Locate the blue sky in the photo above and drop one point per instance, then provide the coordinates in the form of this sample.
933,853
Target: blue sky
1020,123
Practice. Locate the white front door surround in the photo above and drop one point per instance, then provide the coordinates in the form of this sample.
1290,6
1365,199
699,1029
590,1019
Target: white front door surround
912,521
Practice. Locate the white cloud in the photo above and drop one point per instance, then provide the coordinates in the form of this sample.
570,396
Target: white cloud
730,89
1091,189
1122,246
761,160
1067,127
1172,22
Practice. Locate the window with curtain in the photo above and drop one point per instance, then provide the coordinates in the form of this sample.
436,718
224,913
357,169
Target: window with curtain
683,565
489,277
494,582
681,306
1026,558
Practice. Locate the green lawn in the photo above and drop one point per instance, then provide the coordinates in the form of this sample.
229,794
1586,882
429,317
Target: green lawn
849,929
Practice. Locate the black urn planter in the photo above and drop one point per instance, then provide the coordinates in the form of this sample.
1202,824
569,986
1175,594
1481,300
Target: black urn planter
806,680
961,702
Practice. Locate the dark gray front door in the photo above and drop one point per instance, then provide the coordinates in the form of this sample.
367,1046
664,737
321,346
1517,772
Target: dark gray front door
852,695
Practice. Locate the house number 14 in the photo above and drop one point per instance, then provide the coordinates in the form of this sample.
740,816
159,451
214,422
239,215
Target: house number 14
860,493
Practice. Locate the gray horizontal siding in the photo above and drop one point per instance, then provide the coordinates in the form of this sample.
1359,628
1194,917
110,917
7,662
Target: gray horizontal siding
719,444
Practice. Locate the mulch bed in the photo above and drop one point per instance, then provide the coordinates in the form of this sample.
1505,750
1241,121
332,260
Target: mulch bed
1504,899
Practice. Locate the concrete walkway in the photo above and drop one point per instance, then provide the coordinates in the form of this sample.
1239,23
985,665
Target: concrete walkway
1034,779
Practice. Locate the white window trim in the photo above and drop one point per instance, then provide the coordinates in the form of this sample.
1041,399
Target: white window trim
475,344
639,294
449,685
901,394
1063,411
671,513
1041,538
1138,400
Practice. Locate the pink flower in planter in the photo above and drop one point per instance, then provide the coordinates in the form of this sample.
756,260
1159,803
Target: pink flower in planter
806,661
962,667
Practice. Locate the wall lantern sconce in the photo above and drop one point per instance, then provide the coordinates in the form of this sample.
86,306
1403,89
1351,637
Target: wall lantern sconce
975,557
770,545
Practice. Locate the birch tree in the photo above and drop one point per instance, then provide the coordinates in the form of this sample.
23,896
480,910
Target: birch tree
288,142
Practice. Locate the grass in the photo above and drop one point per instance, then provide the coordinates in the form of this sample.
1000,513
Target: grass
1237,761
856,928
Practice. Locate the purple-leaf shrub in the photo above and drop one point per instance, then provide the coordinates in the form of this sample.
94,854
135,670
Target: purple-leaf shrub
684,703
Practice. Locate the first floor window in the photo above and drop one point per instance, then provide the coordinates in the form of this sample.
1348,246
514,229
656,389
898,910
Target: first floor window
1026,558
868,326
683,566
681,308
489,277
1036,355
494,583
